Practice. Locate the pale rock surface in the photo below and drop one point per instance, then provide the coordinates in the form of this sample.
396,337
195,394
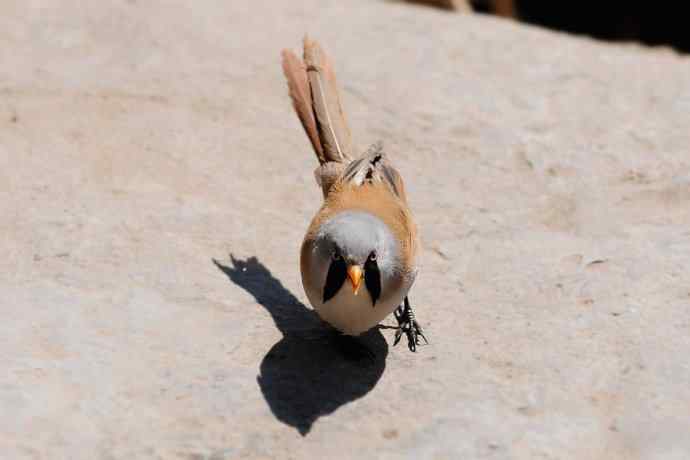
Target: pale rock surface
139,140
456,5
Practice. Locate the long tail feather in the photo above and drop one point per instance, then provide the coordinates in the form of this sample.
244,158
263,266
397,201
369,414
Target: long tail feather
330,119
300,93
316,100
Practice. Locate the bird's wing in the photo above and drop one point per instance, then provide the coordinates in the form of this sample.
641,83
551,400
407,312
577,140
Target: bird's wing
374,167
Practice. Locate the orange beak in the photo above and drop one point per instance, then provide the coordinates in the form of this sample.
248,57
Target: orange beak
354,272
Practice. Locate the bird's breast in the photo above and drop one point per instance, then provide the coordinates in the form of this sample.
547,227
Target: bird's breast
354,314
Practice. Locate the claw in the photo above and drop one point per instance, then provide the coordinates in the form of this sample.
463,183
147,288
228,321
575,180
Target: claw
411,345
426,342
398,335
420,332
409,326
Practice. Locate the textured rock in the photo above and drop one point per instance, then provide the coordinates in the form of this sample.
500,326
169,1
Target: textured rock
458,5
549,175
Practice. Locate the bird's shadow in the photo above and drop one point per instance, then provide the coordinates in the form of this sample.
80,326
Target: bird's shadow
311,371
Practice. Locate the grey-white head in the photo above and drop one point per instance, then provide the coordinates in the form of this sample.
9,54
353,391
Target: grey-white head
355,245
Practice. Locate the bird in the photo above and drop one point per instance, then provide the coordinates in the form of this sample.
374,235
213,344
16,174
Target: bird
358,259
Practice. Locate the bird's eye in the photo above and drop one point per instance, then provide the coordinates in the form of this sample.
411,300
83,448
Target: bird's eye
372,256
335,255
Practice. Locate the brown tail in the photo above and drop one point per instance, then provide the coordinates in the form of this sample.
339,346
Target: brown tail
315,97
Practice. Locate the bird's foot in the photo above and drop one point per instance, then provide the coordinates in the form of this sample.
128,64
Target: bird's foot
408,325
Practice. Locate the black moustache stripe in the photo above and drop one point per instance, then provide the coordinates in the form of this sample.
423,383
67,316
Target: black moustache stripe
335,279
372,280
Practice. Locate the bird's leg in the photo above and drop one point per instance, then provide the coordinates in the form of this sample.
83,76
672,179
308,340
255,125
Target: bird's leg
408,325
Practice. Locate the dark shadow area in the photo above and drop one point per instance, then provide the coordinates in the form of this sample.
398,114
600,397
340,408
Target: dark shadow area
660,23
310,372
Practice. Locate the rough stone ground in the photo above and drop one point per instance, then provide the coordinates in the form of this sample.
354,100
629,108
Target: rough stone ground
139,140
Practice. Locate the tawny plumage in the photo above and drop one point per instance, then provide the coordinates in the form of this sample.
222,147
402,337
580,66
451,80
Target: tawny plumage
300,92
377,198
330,119
364,232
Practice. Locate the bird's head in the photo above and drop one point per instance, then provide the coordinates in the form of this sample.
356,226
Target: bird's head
353,250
